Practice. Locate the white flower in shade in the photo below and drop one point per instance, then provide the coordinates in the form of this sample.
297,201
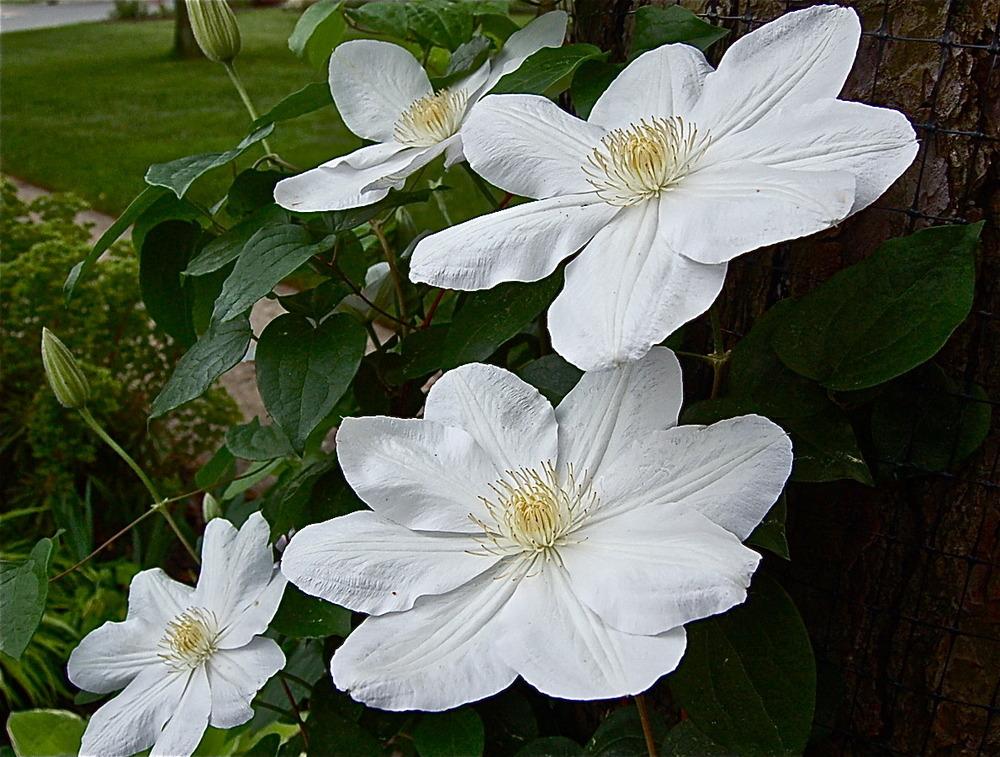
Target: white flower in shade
383,94
677,170
185,657
567,546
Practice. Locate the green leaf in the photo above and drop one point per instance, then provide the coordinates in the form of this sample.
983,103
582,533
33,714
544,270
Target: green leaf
304,617
550,746
467,57
885,315
143,201
543,70
441,23
656,26
250,191
551,375
226,247
748,678
490,318
220,466
270,255
334,728
168,298
685,740
317,32
382,18
589,83
317,302
252,441
24,588
251,477
456,733
45,733
266,747
620,735
167,208
218,350
303,370
178,175
75,515
770,532
826,448
310,98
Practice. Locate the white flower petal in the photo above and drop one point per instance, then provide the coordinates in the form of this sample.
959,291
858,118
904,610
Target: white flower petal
439,655
627,291
608,410
156,598
760,205
187,724
564,649
254,617
416,473
513,423
372,83
671,566
663,82
527,145
800,57
110,656
548,30
236,675
731,472
371,565
875,145
522,243
132,721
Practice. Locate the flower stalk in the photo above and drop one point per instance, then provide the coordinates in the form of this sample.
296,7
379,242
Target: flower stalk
647,726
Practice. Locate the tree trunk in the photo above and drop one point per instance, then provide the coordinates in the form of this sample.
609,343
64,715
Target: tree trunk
896,583
185,45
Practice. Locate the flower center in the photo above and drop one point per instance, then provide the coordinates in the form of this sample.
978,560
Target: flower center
534,510
431,119
642,160
190,638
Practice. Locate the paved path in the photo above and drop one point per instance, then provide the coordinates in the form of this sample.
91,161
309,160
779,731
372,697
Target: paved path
16,17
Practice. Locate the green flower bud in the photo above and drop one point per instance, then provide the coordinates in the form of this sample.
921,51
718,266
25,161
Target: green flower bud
215,29
65,377
210,507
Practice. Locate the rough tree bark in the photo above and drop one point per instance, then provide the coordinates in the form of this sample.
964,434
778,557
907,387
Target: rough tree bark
897,583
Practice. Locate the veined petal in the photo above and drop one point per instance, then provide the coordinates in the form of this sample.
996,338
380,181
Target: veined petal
548,30
659,83
372,83
628,290
564,649
512,422
731,472
416,473
439,655
671,566
254,617
236,675
110,656
527,145
875,145
522,243
156,598
761,205
608,410
799,58
133,720
187,724
371,565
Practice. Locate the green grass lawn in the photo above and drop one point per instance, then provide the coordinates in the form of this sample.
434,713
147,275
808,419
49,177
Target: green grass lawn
87,108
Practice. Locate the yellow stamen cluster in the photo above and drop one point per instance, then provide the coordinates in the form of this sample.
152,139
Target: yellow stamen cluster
640,161
431,119
190,639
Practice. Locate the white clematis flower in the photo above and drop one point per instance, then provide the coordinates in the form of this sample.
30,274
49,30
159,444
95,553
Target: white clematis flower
383,94
186,657
678,170
567,546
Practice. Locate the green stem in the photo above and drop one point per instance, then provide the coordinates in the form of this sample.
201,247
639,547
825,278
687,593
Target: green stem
397,277
647,727
719,355
245,97
482,186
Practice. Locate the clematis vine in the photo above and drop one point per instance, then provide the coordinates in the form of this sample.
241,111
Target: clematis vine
383,94
677,170
568,546
185,657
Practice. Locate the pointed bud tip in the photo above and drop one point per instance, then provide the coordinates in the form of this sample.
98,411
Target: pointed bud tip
215,29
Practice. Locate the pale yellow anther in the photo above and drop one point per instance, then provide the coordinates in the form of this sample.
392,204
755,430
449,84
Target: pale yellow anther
190,639
431,119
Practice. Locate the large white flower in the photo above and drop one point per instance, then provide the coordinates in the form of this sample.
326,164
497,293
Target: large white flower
567,546
186,657
677,170
383,94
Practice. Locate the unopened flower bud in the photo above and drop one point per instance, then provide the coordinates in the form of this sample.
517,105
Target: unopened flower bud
210,507
65,377
215,29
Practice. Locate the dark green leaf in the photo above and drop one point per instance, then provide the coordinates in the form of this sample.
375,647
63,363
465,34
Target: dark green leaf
422,354
178,175
164,254
589,83
75,515
250,191
439,22
456,733
315,493
655,26
620,735
143,201
23,589
490,318
270,255
252,441
509,720
218,350
551,375
253,476
317,32
770,532
45,733
310,98
334,727
303,370
226,247
685,740
382,17
304,617
266,747
748,678
220,466
318,302
551,746
826,448
885,315
543,70
166,208
467,57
